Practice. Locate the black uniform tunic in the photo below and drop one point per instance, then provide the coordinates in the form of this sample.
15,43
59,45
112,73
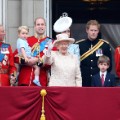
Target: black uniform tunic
89,64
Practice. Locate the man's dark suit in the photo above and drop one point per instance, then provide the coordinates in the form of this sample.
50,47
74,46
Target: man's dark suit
109,80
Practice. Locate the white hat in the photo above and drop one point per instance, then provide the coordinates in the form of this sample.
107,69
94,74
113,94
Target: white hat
63,37
62,24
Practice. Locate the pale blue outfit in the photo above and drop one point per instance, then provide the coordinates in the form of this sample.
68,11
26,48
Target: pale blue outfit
23,44
74,49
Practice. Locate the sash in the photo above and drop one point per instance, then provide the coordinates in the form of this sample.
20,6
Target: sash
3,48
93,49
39,47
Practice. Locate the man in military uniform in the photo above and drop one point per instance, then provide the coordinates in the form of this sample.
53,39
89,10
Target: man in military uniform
90,49
117,61
7,67
38,43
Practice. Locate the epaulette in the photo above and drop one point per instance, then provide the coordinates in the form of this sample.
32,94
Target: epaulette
105,41
80,41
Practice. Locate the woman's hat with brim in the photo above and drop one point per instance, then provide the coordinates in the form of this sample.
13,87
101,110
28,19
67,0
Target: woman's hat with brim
62,24
63,37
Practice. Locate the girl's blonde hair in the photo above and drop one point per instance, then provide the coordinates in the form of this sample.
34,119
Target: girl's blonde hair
23,27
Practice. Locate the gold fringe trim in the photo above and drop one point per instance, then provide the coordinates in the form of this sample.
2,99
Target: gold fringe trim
89,52
80,41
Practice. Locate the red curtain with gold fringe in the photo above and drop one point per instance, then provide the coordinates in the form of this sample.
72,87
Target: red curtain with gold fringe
61,103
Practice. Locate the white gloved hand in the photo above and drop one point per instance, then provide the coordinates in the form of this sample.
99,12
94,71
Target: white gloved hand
50,46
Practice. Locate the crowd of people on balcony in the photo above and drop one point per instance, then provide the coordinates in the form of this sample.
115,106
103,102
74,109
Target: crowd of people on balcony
41,61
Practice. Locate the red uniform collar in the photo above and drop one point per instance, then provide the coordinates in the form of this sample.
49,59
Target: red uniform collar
1,43
40,38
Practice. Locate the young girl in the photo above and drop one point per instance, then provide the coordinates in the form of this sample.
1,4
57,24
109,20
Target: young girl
24,50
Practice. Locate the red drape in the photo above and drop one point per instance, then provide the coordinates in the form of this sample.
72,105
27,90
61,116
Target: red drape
61,103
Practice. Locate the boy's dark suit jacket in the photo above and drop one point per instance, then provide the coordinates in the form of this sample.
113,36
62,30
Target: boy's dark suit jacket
109,80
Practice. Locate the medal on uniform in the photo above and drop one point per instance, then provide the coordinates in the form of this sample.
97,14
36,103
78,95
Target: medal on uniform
99,52
6,57
4,51
4,62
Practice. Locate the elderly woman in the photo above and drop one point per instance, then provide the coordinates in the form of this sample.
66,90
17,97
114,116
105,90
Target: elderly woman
73,48
65,69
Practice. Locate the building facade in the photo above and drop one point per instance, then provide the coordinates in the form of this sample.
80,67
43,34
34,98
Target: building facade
14,13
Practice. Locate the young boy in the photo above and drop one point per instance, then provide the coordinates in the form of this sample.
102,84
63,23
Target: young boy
24,50
103,78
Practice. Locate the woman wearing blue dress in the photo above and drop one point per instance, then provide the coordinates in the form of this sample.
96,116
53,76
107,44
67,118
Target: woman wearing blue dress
62,25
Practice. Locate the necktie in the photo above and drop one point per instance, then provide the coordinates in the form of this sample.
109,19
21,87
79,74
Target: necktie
102,79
